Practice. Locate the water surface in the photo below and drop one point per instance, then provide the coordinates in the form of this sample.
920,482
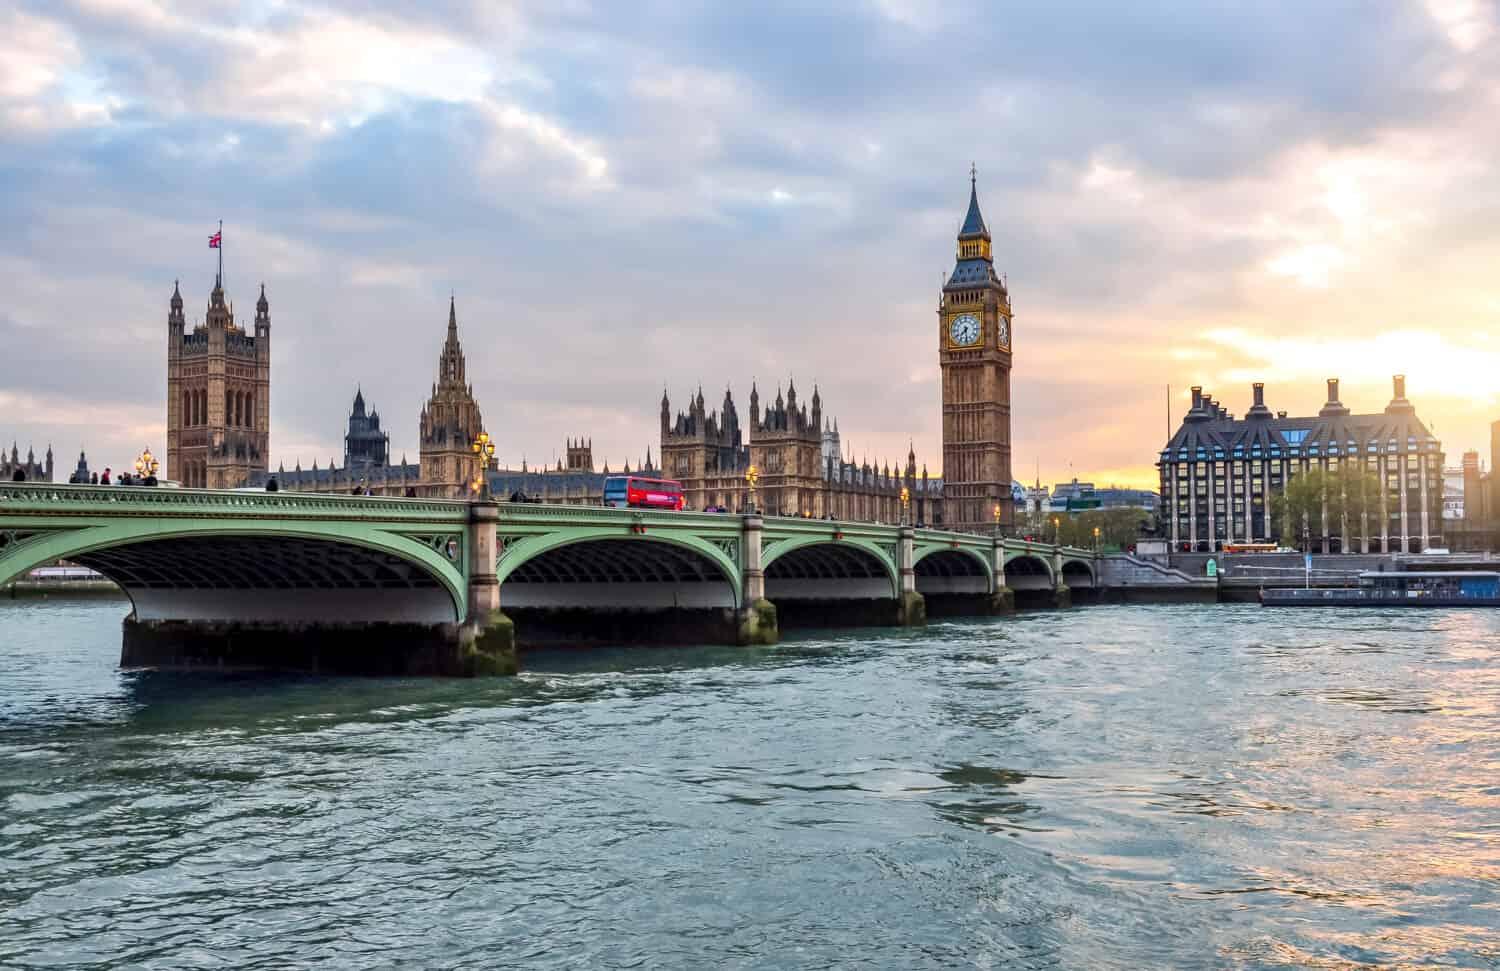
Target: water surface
1109,787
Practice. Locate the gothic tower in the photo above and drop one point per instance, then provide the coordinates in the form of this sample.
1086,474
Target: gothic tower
450,423
218,394
974,352
786,445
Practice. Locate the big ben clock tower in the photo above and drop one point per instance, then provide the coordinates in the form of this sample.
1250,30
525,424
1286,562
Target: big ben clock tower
974,351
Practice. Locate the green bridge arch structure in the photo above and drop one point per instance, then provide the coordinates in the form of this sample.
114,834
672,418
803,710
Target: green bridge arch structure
386,585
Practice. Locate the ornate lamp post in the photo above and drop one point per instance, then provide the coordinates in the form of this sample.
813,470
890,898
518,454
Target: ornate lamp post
1096,539
997,519
485,449
905,503
146,464
1056,531
752,474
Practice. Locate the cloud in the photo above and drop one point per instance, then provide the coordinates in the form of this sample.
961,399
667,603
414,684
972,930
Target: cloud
626,195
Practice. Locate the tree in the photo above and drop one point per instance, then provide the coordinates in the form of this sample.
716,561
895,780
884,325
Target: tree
1360,490
1299,507
1320,503
1117,525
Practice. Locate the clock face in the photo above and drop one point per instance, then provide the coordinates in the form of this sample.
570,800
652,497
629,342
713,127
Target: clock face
964,330
1004,331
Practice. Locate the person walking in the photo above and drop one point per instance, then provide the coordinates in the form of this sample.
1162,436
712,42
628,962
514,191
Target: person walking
272,485
104,479
93,478
19,475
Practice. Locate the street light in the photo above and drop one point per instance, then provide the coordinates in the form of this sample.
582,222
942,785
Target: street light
752,474
997,519
483,447
1056,531
146,464
1096,539
905,503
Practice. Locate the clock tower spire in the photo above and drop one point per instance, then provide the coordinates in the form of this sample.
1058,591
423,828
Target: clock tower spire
974,353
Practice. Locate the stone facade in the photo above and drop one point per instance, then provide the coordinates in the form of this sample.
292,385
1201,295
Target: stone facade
975,334
797,456
29,467
218,394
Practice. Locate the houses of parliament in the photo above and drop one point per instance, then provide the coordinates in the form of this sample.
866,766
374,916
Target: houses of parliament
218,425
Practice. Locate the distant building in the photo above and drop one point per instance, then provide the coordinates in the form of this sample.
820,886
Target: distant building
1219,474
1453,493
1076,496
81,474
365,445
1479,529
33,470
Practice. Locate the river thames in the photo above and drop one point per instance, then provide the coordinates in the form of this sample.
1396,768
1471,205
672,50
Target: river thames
1107,787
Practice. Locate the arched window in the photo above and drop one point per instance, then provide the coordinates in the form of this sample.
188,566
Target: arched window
249,410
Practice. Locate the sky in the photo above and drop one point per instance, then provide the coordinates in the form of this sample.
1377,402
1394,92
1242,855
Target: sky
624,197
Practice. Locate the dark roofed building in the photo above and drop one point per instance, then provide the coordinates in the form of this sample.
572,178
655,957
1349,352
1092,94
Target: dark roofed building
1219,473
365,444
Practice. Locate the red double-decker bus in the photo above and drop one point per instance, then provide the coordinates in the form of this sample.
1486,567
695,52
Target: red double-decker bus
641,493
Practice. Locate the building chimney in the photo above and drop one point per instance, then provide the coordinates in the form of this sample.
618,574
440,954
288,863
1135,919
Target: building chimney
1258,407
1474,498
1197,397
1333,406
1281,414
1399,404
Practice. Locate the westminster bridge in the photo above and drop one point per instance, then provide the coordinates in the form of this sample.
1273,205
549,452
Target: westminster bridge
387,585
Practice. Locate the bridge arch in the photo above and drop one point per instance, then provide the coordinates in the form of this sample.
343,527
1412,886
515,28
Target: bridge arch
609,569
269,571
943,569
1026,571
819,568
1078,573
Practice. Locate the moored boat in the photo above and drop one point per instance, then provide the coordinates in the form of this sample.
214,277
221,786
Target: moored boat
1401,588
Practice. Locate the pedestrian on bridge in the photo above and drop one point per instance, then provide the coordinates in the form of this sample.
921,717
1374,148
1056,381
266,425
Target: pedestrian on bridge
19,475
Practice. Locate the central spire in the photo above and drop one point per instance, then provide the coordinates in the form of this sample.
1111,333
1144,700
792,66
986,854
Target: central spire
973,219
975,262
451,363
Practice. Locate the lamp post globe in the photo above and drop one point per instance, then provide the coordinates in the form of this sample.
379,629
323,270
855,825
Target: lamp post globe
483,447
751,475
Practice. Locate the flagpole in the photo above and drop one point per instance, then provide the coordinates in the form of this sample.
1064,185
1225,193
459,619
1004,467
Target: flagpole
221,254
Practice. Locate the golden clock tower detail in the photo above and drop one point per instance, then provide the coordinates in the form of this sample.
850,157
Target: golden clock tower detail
974,350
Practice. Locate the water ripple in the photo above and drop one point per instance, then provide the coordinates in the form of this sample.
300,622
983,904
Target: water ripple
1121,787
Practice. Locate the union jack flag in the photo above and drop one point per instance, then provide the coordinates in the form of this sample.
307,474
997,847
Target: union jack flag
216,239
